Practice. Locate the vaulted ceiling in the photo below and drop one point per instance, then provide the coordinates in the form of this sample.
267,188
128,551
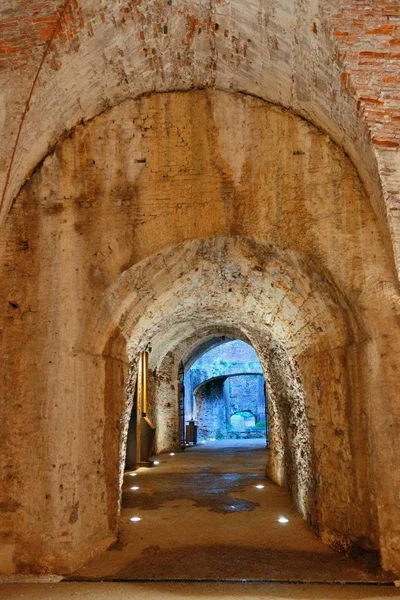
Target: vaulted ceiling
336,64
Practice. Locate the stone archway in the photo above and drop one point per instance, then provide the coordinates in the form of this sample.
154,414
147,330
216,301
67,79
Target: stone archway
295,55
177,310
288,250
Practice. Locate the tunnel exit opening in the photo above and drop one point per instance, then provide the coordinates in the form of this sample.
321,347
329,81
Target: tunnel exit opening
223,395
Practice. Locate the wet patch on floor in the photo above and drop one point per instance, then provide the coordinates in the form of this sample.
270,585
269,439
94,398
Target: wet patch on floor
213,525
206,490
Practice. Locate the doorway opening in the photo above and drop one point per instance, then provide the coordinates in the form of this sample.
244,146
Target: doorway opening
210,513
224,395
214,511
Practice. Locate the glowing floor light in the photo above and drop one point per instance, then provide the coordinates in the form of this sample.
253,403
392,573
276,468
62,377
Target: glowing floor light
156,462
133,474
283,520
135,488
260,486
172,453
135,519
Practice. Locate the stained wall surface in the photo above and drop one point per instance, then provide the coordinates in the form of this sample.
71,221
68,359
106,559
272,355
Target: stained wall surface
162,217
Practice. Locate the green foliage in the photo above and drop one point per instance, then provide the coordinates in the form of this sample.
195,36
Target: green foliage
244,413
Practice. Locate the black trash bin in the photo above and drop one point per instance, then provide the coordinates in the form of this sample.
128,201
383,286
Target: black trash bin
191,433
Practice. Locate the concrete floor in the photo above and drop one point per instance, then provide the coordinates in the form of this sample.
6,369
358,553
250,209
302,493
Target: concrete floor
184,591
203,518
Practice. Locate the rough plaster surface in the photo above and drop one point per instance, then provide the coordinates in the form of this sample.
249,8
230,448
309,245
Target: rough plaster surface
160,222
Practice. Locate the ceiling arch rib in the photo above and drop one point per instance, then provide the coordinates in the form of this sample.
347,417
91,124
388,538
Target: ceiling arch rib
104,53
222,378
270,288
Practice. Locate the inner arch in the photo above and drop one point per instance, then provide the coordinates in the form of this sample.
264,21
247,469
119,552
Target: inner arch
289,323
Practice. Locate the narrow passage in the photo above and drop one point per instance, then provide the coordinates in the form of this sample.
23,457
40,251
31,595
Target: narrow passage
209,513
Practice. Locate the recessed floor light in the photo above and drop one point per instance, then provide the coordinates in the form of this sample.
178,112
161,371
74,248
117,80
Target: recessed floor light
260,486
156,462
283,520
135,519
134,488
133,474
172,453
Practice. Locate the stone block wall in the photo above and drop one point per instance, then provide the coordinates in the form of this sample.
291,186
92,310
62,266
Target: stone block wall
246,393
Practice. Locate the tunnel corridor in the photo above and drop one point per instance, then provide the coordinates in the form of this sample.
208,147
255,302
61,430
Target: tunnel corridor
225,217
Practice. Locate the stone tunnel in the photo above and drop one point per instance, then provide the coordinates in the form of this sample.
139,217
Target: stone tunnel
173,174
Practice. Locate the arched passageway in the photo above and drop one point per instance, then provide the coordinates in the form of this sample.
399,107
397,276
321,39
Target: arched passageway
226,381
258,229
229,407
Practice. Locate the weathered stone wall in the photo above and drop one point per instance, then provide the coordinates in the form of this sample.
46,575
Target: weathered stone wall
245,393
164,217
218,399
228,358
164,407
210,409
231,357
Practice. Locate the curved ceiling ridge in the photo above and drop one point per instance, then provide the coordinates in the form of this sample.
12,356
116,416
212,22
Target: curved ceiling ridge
258,285
295,55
